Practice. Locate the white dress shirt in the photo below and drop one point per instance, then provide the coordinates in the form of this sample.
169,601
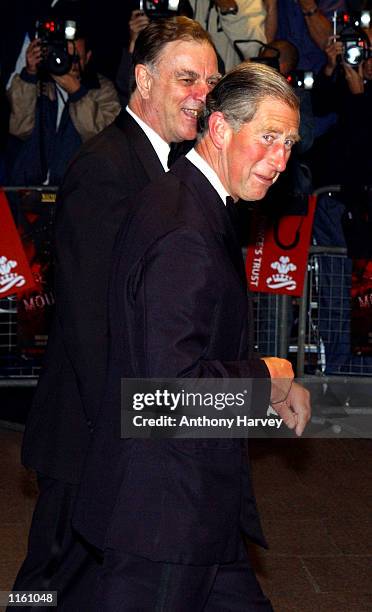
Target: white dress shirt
209,173
161,147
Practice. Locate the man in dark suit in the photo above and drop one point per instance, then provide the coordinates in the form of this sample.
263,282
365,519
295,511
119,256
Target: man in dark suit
175,67
169,514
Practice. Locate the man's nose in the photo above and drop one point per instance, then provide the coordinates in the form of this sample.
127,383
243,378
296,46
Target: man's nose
279,156
200,91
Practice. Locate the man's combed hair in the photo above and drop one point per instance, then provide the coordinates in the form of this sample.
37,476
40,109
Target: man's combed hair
152,40
239,93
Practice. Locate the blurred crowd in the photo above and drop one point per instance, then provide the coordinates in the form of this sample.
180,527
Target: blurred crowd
47,110
45,116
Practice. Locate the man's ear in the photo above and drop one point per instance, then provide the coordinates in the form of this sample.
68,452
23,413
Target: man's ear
88,56
143,80
218,129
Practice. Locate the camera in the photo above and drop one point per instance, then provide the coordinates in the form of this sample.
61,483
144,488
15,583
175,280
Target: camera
54,34
158,9
355,46
348,28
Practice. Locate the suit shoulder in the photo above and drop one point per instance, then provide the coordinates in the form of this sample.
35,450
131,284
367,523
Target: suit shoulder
110,145
106,164
166,196
164,206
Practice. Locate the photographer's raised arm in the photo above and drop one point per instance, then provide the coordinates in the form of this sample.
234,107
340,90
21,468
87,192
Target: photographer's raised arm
320,28
33,56
22,94
271,21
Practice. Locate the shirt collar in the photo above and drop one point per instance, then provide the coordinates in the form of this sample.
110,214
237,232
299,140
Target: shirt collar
196,159
161,147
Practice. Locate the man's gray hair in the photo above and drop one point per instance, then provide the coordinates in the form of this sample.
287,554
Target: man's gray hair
239,93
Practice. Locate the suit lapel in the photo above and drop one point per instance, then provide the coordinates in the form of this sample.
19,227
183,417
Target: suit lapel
214,210
141,145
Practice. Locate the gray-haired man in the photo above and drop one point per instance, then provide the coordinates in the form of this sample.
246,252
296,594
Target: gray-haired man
170,514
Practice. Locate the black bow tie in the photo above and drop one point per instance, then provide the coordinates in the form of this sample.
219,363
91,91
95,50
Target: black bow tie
177,149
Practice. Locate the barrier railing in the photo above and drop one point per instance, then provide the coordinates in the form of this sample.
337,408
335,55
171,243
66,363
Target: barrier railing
23,335
313,331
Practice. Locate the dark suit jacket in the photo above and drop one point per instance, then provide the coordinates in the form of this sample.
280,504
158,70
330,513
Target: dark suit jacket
92,202
178,308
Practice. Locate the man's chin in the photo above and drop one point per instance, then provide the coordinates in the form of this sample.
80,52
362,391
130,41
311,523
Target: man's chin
255,195
185,135
187,128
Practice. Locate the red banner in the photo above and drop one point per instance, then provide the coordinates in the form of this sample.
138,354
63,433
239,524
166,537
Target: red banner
361,307
277,254
15,272
35,308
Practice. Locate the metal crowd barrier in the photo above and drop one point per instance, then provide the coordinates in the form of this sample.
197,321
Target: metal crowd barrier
33,211
313,331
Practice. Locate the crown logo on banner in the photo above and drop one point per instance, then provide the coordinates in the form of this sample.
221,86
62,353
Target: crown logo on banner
282,278
9,279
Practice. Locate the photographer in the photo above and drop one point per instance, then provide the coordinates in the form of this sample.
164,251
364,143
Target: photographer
343,155
53,114
306,24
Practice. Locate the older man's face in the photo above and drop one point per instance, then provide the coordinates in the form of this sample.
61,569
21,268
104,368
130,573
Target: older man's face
252,158
185,72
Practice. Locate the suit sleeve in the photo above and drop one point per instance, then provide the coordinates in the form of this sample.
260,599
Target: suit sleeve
175,304
89,212
22,96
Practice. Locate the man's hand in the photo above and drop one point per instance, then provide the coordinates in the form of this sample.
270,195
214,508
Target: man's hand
333,50
70,82
227,7
354,78
138,21
33,56
295,410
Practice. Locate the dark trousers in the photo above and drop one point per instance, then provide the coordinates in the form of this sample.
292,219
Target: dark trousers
57,558
133,584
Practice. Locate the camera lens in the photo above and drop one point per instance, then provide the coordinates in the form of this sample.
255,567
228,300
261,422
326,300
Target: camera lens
58,61
353,54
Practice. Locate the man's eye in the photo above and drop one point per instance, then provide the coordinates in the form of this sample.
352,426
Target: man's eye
268,138
289,144
188,81
212,82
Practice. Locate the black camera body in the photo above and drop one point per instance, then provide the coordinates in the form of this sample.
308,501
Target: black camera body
54,34
355,47
355,44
